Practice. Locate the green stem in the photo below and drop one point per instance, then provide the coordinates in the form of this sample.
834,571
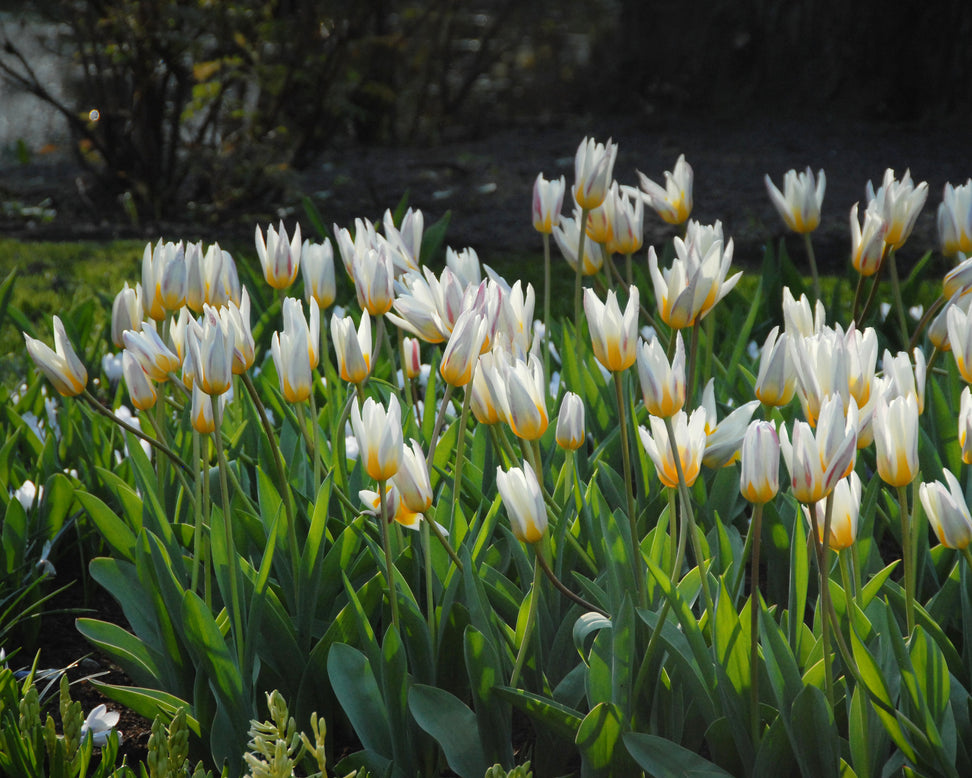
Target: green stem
812,259
858,291
233,564
926,318
386,546
197,539
559,585
531,619
906,557
629,275
755,530
692,357
429,579
821,553
460,452
546,308
637,561
578,282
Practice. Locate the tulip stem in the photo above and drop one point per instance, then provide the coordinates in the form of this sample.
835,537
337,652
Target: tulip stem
754,605
692,358
559,585
530,620
907,554
233,567
460,451
812,259
546,310
926,318
821,548
898,300
627,269
437,429
98,407
637,561
689,514
197,535
582,233
384,521
858,290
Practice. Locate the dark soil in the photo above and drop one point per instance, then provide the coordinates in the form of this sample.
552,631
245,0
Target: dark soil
486,182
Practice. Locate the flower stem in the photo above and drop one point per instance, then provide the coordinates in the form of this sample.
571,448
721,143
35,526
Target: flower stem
530,621
559,585
812,259
637,562
906,558
460,452
386,546
821,553
546,308
754,606
578,284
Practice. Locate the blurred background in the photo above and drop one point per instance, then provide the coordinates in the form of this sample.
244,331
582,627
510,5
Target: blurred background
205,107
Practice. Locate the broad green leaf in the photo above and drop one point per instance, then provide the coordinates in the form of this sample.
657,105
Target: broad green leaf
666,759
356,688
560,719
115,532
599,736
452,725
816,743
931,672
122,646
493,715
147,702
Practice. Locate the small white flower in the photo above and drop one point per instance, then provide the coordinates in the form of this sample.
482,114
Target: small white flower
100,723
27,493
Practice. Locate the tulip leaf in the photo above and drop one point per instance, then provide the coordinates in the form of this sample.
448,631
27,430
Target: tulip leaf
775,756
452,725
147,702
816,746
599,736
113,530
666,759
493,716
123,647
799,580
356,688
560,719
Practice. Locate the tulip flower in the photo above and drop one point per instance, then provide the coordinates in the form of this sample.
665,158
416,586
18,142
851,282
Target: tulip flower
599,224
958,280
352,347
548,201
903,378
593,170
522,397
61,365
164,278
148,348
379,435
898,203
411,358
484,400
867,241
776,380
800,201
798,318
960,339
405,240
211,346
673,203
523,499
662,384
211,277
689,441
463,349
465,265
317,270
279,255
627,222
759,473
295,351
614,336
201,412
965,425
947,511
896,439
394,508
723,439
365,238
817,463
567,236
955,219
374,276
844,513
822,367
570,422
696,281
141,390
412,479
126,313
244,348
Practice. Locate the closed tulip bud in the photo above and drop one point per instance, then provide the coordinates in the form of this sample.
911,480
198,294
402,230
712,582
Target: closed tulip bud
201,412
291,353
817,462
374,278
960,339
548,201
523,399
627,221
689,442
776,380
662,384
955,219
317,270
405,240
243,345
211,345
352,347
140,388
164,279
844,514
211,277
965,425
673,202
523,499
759,474
947,511
379,435
412,479
593,171
411,358
867,242
800,201
126,313
567,236
798,318
61,365
465,265
279,255
463,349
570,422
903,378
599,226
896,439
484,401
614,336
899,203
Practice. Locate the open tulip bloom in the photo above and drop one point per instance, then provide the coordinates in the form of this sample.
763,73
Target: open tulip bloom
61,364
673,202
800,201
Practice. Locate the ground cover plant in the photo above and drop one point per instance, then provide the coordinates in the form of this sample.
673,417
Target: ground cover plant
388,498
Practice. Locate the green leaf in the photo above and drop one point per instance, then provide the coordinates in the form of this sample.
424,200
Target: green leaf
817,743
931,672
433,238
122,646
357,690
147,702
666,759
452,725
561,720
114,531
494,719
599,735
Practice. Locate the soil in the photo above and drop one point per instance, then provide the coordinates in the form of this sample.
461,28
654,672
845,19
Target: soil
486,182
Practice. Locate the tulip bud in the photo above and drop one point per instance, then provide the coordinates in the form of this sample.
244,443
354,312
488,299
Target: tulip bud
614,337
947,511
523,499
548,201
279,255
379,435
352,347
317,269
140,388
673,202
570,422
759,474
662,384
61,365
843,514
463,349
